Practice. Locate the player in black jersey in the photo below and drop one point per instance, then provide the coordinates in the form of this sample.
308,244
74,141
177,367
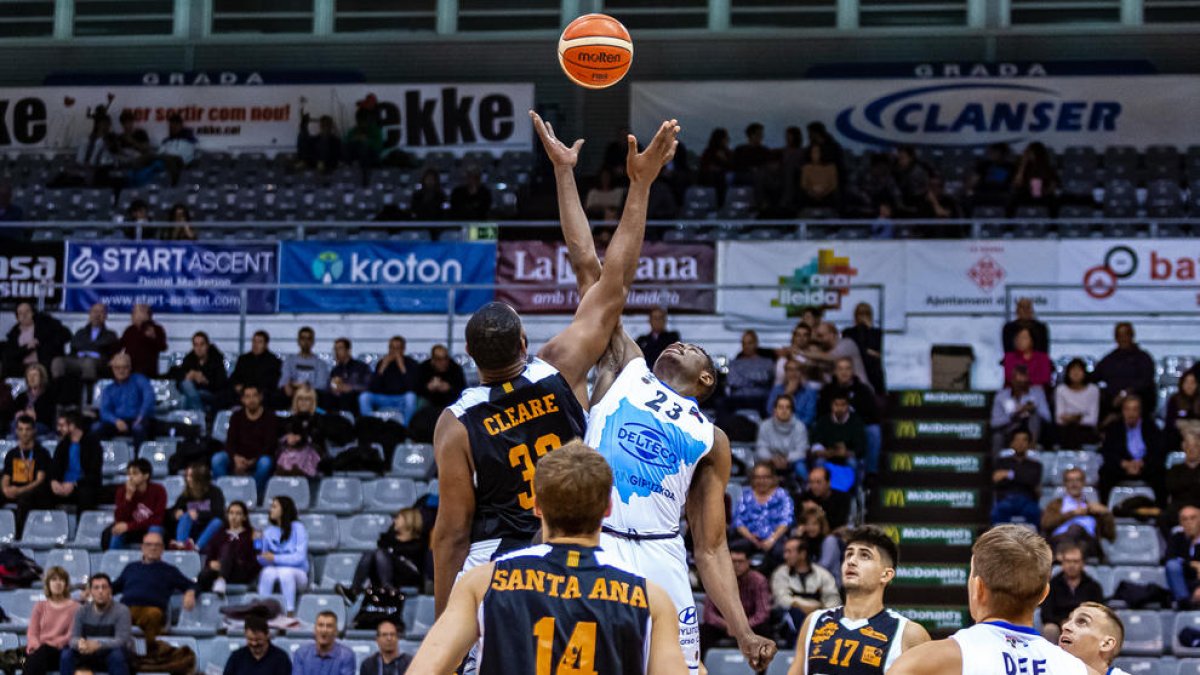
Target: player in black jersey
488,444
561,606
862,637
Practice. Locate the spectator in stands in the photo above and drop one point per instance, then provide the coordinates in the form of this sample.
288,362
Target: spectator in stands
348,379
283,553
659,338
202,377
146,587
440,381
394,385
824,548
136,150
253,434
36,338
749,377
101,636
820,493
1183,479
840,437
91,348
993,177
795,385
26,480
304,368
178,149
716,162
830,148
196,516
605,198
937,204
389,660
615,151
1037,364
877,184
783,442
1068,589
1017,480
1183,409
95,158
800,587
325,655
828,346
181,219
398,559
76,475
1036,182
38,399
755,594
138,212
302,444
364,141
429,199
763,515
869,341
1076,407
229,557
141,506
1017,406
1025,320
258,367
259,656
50,622
1126,371
1183,559
750,156
794,351
1132,450
862,401
912,177
9,212
472,200
1073,518
322,151
819,181
126,405
143,341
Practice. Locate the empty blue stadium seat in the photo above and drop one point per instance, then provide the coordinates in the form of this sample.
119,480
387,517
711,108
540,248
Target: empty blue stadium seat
117,454
203,620
290,486
322,531
45,529
418,616
114,561
76,562
238,488
340,495
388,495
1143,633
339,569
19,606
91,527
413,461
1135,545
188,562
361,532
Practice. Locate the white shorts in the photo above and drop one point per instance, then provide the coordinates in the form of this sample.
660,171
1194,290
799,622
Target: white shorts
664,561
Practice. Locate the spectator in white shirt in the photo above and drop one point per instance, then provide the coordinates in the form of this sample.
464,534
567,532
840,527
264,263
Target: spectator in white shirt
1077,407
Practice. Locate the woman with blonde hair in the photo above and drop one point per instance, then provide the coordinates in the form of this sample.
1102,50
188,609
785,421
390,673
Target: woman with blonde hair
398,558
50,624
302,445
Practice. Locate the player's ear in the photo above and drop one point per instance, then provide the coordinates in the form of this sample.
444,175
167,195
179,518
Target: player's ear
608,508
537,510
889,573
1045,592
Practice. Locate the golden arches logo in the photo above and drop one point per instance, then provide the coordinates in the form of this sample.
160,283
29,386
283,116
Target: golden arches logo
892,532
912,399
906,429
902,462
894,498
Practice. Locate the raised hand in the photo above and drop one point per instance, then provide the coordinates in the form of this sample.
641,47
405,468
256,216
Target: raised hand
560,155
758,650
643,167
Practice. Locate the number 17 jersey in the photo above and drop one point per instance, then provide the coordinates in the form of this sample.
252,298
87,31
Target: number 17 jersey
653,438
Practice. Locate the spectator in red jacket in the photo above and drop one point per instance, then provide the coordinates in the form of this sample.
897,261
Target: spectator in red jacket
1023,354
140,506
143,341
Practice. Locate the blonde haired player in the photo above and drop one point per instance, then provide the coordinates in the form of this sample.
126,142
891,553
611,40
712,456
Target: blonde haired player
1094,634
1010,576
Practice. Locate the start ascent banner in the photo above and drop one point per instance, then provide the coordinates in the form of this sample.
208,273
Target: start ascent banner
416,118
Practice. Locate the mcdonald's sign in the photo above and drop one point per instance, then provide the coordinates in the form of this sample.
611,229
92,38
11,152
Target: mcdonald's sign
915,398
962,430
893,498
935,462
901,462
912,399
906,429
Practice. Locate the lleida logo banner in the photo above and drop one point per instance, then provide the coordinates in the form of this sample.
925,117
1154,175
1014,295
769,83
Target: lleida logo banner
932,575
935,462
173,277
913,398
407,277
920,498
31,272
939,535
417,118
543,267
952,429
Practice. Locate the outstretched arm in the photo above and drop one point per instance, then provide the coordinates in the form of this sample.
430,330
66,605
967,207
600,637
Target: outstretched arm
452,634
706,518
451,540
575,350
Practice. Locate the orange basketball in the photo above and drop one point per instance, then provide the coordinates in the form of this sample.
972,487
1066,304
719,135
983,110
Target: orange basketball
595,51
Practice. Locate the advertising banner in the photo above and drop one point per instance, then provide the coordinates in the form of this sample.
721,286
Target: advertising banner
937,618
932,535
915,398
799,274
924,498
960,430
408,268
1094,111
416,118
935,462
1110,276
30,272
543,265
958,277
932,574
186,278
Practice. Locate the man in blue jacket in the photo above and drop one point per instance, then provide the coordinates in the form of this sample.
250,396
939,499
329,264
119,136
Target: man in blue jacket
126,405
146,588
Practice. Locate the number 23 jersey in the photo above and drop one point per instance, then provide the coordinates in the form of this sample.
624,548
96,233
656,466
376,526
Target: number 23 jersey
653,438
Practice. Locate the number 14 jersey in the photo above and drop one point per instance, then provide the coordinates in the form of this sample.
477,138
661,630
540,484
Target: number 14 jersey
653,438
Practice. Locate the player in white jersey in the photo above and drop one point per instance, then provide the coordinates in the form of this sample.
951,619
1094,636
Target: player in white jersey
1094,633
1010,576
667,457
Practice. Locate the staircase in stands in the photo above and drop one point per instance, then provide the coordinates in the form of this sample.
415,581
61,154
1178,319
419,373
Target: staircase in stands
934,499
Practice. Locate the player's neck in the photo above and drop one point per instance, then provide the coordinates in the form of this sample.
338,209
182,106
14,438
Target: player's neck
863,605
498,376
591,541
1025,620
1097,664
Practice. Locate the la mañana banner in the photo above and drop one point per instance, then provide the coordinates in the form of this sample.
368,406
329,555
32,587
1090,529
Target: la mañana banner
416,118
962,112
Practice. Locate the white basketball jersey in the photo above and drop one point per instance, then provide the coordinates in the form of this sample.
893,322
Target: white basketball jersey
653,438
1000,648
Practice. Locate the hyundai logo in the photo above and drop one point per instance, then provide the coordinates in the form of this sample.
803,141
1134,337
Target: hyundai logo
688,616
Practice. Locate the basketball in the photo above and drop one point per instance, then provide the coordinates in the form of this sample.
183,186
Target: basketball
595,51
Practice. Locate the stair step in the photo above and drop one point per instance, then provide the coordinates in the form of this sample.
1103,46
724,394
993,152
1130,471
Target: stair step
939,434
916,404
